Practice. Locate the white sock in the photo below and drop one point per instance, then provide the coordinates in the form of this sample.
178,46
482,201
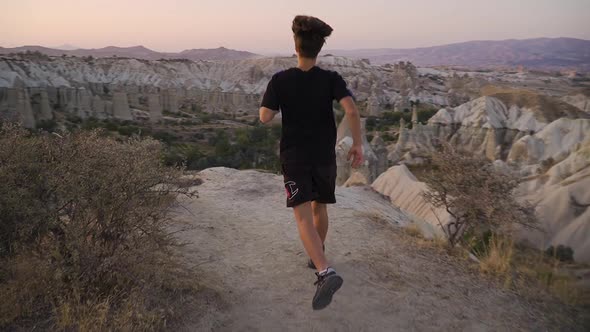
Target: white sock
326,271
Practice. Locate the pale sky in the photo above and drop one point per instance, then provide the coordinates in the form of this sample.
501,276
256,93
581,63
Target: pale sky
263,26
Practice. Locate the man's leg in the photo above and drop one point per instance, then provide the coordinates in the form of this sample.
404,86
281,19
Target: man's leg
320,219
309,235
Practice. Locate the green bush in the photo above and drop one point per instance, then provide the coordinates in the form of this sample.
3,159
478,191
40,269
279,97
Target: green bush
47,125
111,125
91,123
370,123
183,155
254,147
478,244
387,138
129,130
562,253
85,240
73,118
425,114
196,108
165,137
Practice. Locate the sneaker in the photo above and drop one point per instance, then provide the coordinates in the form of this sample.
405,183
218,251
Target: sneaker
327,284
310,263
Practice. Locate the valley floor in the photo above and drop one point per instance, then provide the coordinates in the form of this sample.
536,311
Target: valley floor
245,244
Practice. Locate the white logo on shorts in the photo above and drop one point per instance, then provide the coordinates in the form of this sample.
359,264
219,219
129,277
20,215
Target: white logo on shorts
291,189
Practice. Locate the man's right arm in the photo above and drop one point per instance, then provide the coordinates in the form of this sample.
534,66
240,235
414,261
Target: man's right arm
270,103
354,121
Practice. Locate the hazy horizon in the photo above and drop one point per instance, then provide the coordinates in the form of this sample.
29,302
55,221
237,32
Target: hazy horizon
176,25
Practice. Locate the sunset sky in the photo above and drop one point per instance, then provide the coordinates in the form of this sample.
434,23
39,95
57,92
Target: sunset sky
264,26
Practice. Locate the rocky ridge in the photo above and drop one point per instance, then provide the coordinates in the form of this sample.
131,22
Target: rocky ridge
137,52
547,143
87,87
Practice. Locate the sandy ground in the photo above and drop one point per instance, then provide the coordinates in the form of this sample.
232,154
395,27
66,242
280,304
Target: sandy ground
245,243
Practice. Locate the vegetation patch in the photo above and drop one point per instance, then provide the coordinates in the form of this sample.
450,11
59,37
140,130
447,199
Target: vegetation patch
86,237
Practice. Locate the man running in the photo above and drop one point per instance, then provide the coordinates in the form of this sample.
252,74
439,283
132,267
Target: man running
304,94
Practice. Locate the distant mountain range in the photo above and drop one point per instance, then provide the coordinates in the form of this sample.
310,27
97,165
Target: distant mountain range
541,53
140,52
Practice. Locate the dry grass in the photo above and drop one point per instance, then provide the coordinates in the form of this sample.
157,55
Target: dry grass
85,235
529,270
533,269
489,90
545,108
498,257
413,230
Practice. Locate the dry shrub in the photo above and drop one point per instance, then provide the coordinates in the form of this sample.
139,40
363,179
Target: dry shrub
479,197
498,256
85,234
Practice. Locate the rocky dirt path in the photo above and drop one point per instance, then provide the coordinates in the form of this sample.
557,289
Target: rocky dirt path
246,246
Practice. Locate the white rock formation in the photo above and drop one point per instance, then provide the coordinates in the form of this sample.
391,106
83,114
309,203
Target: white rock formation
42,109
343,144
216,86
154,107
380,150
485,126
373,108
121,106
405,191
562,197
356,179
546,139
99,108
170,101
556,142
489,112
24,109
15,105
581,101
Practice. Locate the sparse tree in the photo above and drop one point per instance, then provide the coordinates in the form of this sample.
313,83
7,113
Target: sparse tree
478,196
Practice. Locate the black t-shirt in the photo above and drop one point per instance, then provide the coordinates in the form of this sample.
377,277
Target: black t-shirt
305,100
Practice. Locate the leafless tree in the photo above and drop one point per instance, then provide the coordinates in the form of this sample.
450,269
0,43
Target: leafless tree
477,195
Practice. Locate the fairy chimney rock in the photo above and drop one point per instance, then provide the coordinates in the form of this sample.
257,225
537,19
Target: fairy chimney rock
121,106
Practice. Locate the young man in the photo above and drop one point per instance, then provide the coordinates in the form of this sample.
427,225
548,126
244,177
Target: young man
304,95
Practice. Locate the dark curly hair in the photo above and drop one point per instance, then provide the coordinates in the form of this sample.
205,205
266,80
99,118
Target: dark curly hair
310,35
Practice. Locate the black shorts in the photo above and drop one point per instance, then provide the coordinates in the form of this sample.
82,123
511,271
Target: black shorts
304,183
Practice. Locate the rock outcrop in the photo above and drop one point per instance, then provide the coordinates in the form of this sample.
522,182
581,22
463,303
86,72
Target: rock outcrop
356,179
562,198
100,108
405,191
15,105
154,107
369,169
121,109
580,101
487,126
553,143
546,138
230,86
170,101
24,108
41,107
